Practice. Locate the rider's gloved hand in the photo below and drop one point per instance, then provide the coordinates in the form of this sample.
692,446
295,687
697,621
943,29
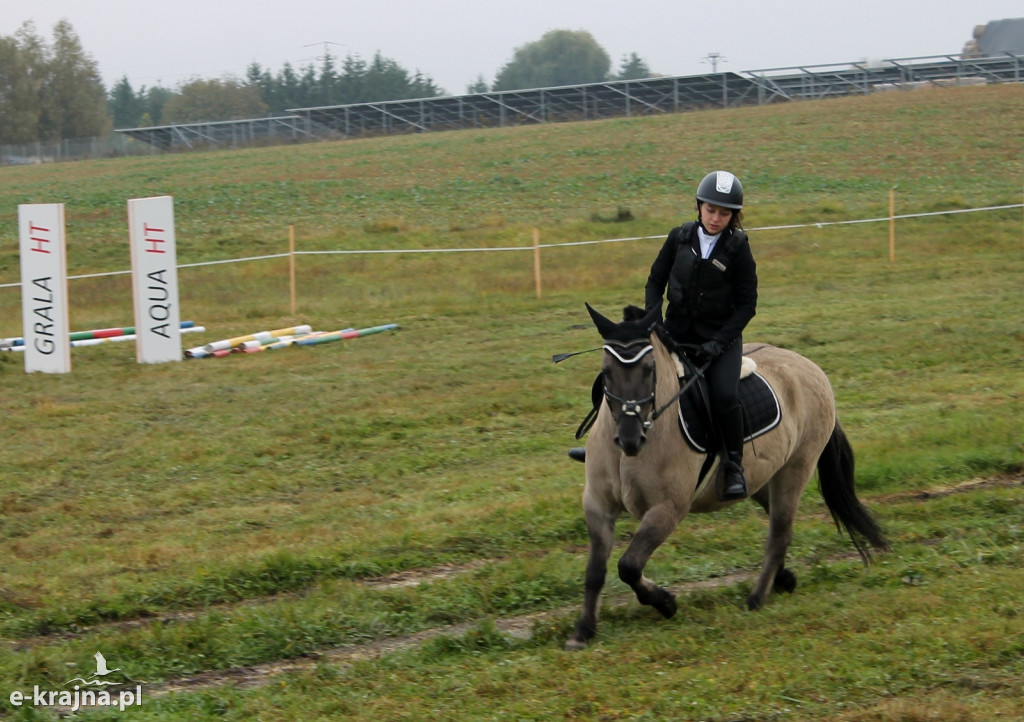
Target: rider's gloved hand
708,352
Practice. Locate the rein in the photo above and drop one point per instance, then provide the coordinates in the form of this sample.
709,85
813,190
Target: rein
698,372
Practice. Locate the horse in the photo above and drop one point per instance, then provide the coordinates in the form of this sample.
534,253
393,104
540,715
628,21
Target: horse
638,462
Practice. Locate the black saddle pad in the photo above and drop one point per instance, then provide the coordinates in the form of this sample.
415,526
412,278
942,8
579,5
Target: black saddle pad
761,412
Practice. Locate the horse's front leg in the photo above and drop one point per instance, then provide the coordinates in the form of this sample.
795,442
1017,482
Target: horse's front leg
655,527
601,528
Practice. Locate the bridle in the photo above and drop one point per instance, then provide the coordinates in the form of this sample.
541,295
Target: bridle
632,407
628,354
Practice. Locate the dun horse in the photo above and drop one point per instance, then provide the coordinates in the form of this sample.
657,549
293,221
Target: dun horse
638,462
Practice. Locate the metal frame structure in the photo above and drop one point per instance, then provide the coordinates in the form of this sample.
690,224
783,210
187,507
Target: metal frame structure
524,107
623,98
225,133
813,82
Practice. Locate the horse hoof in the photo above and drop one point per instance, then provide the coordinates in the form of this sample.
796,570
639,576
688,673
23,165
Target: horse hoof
667,607
753,602
785,581
575,645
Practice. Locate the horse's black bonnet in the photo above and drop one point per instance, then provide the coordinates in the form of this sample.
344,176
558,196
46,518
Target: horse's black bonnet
630,352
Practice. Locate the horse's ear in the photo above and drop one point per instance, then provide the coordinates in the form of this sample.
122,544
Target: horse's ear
605,326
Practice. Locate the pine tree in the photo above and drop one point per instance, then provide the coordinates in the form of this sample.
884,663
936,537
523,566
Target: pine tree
73,101
632,67
19,109
126,106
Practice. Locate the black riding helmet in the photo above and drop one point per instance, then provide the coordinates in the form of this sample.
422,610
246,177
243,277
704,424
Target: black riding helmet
721,188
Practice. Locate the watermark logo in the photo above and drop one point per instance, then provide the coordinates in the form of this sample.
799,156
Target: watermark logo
91,692
101,671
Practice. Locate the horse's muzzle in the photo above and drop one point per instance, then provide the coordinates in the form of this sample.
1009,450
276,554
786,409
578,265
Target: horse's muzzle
630,440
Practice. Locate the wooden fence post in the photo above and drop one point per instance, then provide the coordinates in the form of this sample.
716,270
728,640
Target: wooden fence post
892,225
536,260
291,264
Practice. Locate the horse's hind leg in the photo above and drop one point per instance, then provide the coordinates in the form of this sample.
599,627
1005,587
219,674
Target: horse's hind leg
601,528
785,579
783,492
655,527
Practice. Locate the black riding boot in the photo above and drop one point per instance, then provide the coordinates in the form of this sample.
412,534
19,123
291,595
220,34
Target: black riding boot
735,485
731,426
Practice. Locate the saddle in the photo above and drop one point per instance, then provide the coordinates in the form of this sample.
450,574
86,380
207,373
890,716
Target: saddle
761,410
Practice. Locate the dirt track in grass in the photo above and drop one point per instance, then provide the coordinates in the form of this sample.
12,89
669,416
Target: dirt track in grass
519,626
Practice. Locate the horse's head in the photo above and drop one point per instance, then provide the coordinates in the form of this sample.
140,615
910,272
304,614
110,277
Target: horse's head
628,375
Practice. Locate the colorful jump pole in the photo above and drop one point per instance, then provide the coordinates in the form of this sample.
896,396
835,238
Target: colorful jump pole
125,337
341,335
281,338
124,331
94,333
239,340
105,339
287,341
230,345
257,345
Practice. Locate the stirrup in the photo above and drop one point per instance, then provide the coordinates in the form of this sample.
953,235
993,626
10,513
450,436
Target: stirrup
578,453
737,489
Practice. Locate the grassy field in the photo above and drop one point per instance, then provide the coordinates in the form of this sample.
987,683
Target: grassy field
388,527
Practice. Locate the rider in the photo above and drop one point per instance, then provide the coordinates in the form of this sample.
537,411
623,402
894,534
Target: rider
711,278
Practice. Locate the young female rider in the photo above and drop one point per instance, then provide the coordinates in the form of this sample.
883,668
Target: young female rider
711,278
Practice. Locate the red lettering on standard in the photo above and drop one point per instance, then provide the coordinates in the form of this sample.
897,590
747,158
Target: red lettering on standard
148,237
33,230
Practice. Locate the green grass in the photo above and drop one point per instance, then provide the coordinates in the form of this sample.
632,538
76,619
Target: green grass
196,517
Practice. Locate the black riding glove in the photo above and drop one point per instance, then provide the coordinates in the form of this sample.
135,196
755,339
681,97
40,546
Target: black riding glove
708,352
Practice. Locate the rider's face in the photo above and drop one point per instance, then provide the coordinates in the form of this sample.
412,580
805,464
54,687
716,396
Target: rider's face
715,218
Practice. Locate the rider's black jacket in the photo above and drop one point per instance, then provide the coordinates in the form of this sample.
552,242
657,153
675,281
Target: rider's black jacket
708,299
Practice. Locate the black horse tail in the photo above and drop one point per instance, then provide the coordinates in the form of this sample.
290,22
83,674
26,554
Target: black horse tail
836,481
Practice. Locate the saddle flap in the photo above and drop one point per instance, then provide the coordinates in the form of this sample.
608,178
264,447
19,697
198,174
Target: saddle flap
761,412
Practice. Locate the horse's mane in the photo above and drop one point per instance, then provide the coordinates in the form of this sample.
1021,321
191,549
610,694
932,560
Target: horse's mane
632,313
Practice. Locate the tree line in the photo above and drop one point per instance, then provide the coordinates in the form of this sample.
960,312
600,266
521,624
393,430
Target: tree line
49,91
52,91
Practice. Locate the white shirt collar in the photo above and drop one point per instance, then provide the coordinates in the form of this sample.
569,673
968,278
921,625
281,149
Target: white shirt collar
707,242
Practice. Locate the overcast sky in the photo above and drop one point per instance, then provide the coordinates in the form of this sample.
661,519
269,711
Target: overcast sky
455,41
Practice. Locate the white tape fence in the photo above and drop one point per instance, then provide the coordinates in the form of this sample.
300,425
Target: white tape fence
536,246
